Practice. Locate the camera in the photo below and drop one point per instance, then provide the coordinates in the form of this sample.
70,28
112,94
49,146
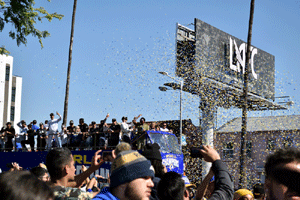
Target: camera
195,152
102,180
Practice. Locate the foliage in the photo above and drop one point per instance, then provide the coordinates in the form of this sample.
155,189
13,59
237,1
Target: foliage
3,51
23,16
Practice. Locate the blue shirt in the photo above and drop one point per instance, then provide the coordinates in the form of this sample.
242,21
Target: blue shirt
35,127
105,195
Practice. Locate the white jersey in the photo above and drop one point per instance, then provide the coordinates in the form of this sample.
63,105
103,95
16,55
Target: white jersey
53,124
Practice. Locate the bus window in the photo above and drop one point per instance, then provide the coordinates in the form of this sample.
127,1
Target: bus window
160,140
173,143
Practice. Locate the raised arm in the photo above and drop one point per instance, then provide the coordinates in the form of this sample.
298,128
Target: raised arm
224,184
202,188
95,164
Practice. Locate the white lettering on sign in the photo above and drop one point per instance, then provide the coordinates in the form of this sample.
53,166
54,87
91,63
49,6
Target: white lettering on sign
171,163
241,57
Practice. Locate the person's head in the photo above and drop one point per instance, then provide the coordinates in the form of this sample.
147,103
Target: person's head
258,191
71,122
114,121
34,122
23,123
51,116
123,146
93,124
283,174
124,119
81,121
60,164
243,194
164,125
152,125
8,124
131,176
101,121
78,129
41,125
29,126
157,127
23,185
40,173
172,187
46,121
142,120
152,153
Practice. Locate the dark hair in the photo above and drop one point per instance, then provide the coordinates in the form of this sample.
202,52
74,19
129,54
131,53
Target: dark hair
29,126
158,168
55,161
23,185
171,187
143,119
39,172
34,121
282,156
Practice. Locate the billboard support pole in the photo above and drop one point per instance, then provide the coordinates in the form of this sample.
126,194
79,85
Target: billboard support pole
245,102
208,110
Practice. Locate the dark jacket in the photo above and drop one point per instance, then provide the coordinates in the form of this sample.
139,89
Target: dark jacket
224,184
154,195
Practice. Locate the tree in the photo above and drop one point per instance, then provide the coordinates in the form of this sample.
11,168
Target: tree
245,100
23,16
69,65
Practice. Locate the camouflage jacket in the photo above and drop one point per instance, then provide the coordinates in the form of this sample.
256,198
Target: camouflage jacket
69,193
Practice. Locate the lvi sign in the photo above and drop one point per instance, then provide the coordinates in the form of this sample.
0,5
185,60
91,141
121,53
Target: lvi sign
240,53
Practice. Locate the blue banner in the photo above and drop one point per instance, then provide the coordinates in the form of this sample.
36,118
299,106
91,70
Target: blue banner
28,160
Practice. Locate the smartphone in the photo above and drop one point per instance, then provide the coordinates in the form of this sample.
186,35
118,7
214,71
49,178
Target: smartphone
195,152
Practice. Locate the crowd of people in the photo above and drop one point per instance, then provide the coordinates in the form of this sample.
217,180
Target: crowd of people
135,175
83,136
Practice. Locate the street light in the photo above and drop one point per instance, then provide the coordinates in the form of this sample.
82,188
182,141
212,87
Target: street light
181,87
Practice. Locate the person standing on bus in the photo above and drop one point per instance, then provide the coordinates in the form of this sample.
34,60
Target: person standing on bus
126,130
53,131
10,134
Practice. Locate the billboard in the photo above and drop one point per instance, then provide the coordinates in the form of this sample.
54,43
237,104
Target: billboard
221,57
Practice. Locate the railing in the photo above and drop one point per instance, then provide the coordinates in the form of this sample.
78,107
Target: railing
74,141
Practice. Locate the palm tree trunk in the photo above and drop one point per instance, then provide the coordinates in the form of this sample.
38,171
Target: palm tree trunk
245,103
69,65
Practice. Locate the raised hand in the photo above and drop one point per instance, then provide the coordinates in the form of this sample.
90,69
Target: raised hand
209,154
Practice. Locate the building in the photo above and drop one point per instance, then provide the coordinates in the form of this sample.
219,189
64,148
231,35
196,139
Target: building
10,93
264,136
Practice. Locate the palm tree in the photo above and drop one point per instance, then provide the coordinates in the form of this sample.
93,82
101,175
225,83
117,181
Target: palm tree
69,65
245,105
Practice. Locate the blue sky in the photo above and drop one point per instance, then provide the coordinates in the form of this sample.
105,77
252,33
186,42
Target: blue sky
120,46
